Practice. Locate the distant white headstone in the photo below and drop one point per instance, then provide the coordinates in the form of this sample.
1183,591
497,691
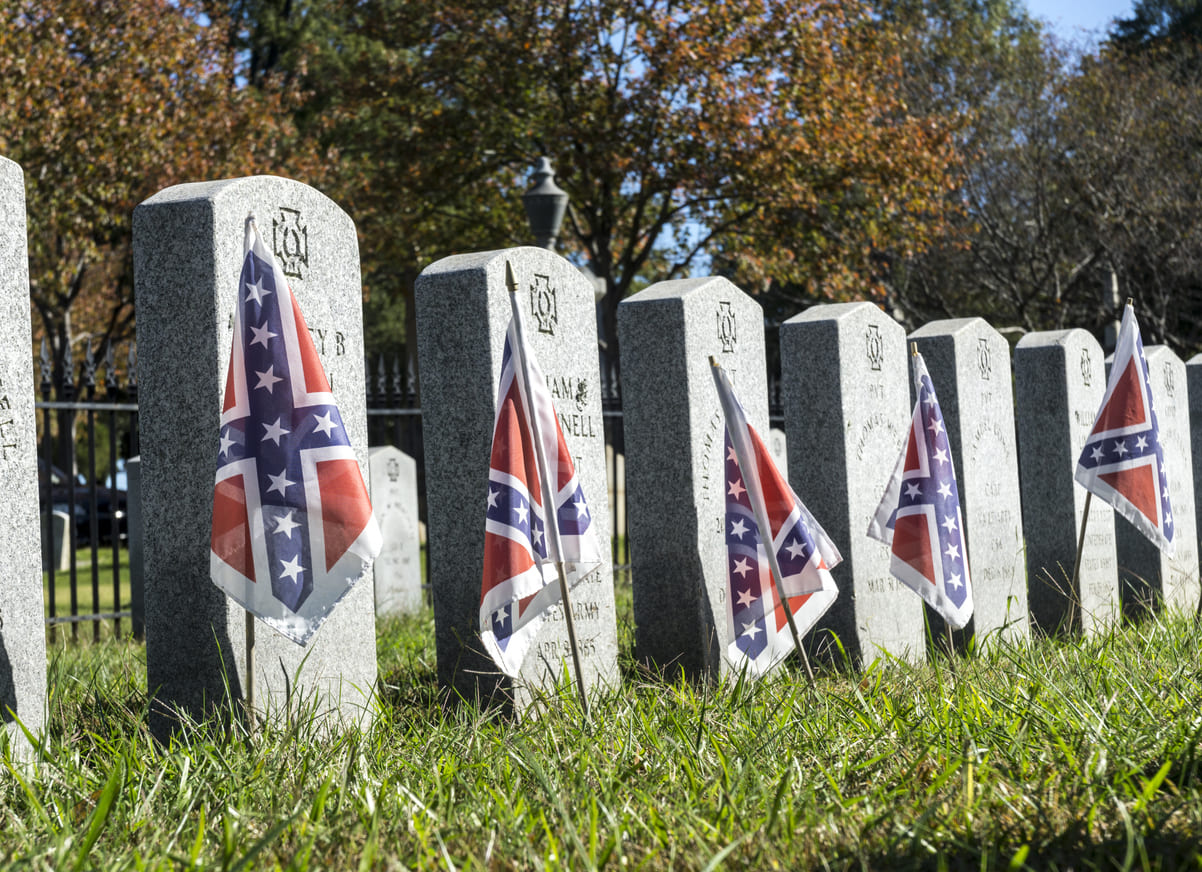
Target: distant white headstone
778,446
394,497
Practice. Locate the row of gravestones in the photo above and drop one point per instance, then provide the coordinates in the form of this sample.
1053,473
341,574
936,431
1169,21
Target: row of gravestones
846,404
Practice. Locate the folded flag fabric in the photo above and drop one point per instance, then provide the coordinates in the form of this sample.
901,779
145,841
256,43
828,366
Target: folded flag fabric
1123,461
523,541
769,531
293,528
919,516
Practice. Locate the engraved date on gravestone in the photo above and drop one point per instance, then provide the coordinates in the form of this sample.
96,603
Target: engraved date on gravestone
543,305
727,333
290,242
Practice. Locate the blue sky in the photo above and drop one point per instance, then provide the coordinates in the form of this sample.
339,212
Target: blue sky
1071,17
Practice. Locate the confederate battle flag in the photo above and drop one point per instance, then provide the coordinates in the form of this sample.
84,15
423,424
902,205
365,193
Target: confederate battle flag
527,531
293,528
768,531
919,515
1122,461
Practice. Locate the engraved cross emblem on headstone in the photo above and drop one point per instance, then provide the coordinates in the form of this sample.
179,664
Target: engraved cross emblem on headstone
874,346
1170,388
290,242
393,469
983,358
726,327
1086,369
542,304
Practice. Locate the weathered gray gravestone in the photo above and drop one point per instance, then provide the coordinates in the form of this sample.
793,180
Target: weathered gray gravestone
1060,377
1193,375
675,464
22,623
969,363
187,259
398,569
463,311
844,373
1148,578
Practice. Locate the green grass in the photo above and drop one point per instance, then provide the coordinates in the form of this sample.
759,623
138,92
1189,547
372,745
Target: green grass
87,571
84,565
1050,755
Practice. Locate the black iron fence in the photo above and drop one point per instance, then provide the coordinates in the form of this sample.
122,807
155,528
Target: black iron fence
88,429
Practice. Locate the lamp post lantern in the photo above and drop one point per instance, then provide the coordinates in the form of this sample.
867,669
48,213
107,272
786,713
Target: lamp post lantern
545,205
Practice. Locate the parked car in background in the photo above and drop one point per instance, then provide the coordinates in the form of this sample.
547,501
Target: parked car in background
76,503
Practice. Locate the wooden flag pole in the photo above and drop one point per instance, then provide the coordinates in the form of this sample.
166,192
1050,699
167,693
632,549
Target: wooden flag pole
552,529
774,569
1081,542
250,672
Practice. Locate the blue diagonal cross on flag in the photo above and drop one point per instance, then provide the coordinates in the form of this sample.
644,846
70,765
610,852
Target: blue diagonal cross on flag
919,515
1123,461
293,527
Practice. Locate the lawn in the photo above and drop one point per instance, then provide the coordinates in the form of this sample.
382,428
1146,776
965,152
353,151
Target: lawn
1048,755
90,600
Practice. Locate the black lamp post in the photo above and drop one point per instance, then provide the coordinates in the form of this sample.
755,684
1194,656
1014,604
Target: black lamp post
545,205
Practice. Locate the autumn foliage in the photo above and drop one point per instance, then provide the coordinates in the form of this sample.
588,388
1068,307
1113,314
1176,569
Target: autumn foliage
103,104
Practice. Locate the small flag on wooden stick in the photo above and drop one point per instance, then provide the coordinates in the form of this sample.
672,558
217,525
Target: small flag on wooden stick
919,515
778,557
293,528
1123,461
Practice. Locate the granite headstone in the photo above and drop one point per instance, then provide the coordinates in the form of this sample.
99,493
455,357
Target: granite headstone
398,569
844,371
22,622
969,364
1193,376
463,311
1060,377
1148,578
188,252
675,469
